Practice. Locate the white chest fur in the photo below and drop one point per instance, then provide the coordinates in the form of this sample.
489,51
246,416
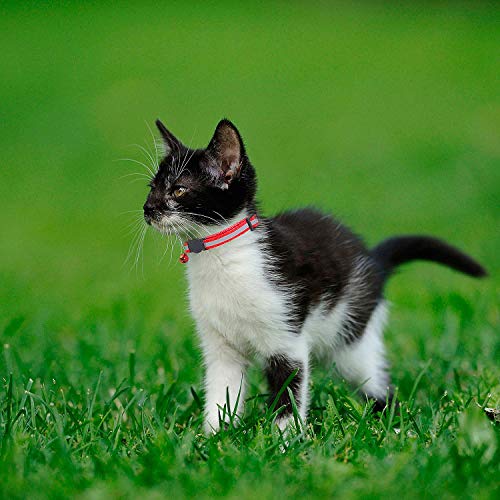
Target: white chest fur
240,312
232,297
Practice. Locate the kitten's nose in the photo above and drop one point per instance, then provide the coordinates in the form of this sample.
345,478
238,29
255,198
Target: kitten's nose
149,212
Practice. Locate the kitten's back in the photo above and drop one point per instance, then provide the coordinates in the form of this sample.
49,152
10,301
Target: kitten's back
317,257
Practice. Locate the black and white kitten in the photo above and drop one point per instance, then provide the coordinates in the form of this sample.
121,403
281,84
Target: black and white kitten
300,286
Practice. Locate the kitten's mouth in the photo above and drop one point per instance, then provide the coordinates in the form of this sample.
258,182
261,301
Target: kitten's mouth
163,226
168,224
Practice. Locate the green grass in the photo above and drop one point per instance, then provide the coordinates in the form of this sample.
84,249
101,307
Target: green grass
387,117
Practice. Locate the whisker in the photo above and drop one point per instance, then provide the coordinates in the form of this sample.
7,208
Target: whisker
139,163
187,161
139,180
160,146
134,223
137,210
221,216
147,154
198,229
175,239
172,244
139,254
181,167
188,230
181,172
132,227
176,232
139,174
157,156
167,246
184,161
131,250
217,222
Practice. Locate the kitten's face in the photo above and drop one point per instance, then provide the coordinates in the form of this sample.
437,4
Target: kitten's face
203,186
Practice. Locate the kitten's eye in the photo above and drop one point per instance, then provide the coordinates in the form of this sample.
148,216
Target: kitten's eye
179,191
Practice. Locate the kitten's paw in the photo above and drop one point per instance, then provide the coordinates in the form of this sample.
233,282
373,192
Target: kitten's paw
287,424
289,430
209,429
211,425
214,422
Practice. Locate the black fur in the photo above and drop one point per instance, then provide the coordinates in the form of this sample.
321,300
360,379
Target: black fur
313,253
202,172
315,256
278,369
395,251
310,253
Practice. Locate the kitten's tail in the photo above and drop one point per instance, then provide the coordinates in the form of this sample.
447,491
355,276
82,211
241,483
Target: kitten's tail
395,251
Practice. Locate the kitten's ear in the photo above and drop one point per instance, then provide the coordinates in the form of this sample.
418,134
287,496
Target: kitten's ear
169,140
227,152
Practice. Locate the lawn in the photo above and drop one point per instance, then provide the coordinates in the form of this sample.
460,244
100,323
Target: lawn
387,117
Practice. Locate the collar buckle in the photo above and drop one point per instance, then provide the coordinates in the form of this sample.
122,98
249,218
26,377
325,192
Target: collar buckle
250,225
196,246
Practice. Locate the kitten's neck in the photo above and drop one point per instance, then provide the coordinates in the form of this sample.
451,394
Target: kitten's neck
233,244
210,229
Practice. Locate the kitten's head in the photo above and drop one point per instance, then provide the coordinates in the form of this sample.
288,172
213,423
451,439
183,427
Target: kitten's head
202,186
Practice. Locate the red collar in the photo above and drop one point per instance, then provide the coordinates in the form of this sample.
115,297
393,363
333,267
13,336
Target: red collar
220,238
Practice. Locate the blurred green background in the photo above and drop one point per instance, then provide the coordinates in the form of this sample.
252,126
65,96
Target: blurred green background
388,117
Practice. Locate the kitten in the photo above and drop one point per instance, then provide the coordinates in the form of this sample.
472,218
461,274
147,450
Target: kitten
282,290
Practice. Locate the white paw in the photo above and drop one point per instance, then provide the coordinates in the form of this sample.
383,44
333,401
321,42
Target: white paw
215,419
211,425
286,424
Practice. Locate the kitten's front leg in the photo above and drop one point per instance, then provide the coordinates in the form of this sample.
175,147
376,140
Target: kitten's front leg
278,369
224,376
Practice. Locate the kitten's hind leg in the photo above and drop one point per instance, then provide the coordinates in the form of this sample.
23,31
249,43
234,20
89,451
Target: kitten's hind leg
362,362
292,366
